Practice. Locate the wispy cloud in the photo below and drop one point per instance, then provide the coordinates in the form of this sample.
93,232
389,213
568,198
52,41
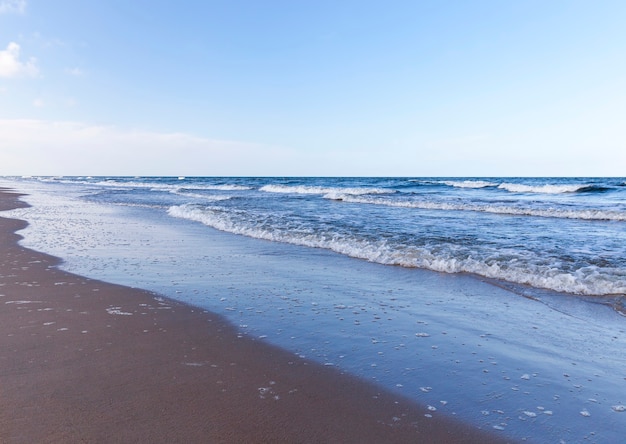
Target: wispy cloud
12,6
71,148
12,66
39,103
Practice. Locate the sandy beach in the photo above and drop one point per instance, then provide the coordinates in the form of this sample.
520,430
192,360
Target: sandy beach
77,367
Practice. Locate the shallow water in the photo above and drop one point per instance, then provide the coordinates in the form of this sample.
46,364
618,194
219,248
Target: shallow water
545,369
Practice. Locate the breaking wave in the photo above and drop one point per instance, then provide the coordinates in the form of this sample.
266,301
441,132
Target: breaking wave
469,183
586,280
549,188
525,188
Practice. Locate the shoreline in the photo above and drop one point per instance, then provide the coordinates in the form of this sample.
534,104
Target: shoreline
85,360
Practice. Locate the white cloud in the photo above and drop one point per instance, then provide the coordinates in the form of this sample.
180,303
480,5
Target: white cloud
15,6
11,66
39,147
38,103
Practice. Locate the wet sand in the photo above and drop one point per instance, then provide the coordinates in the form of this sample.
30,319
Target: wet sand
76,366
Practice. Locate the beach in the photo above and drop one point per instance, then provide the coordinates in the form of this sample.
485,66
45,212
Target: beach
87,361
280,261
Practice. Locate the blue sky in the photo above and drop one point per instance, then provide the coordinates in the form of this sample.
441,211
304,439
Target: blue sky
396,88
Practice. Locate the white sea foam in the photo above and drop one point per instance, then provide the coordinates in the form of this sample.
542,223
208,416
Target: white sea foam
302,189
560,213
509,186
128,184
518,187
586,280
150,184
23,302
117,311
544,189
469,183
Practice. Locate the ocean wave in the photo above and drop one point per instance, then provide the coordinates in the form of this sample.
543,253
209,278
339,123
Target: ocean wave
545,189
224,187
469,183
168,186
141,205
524,188
594,189
190,193
587,214
107,183
304,189
586,280
156,184
120,183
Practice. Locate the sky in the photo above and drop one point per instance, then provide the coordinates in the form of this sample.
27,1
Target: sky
313,88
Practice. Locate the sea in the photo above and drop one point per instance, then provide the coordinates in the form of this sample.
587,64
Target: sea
522,281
